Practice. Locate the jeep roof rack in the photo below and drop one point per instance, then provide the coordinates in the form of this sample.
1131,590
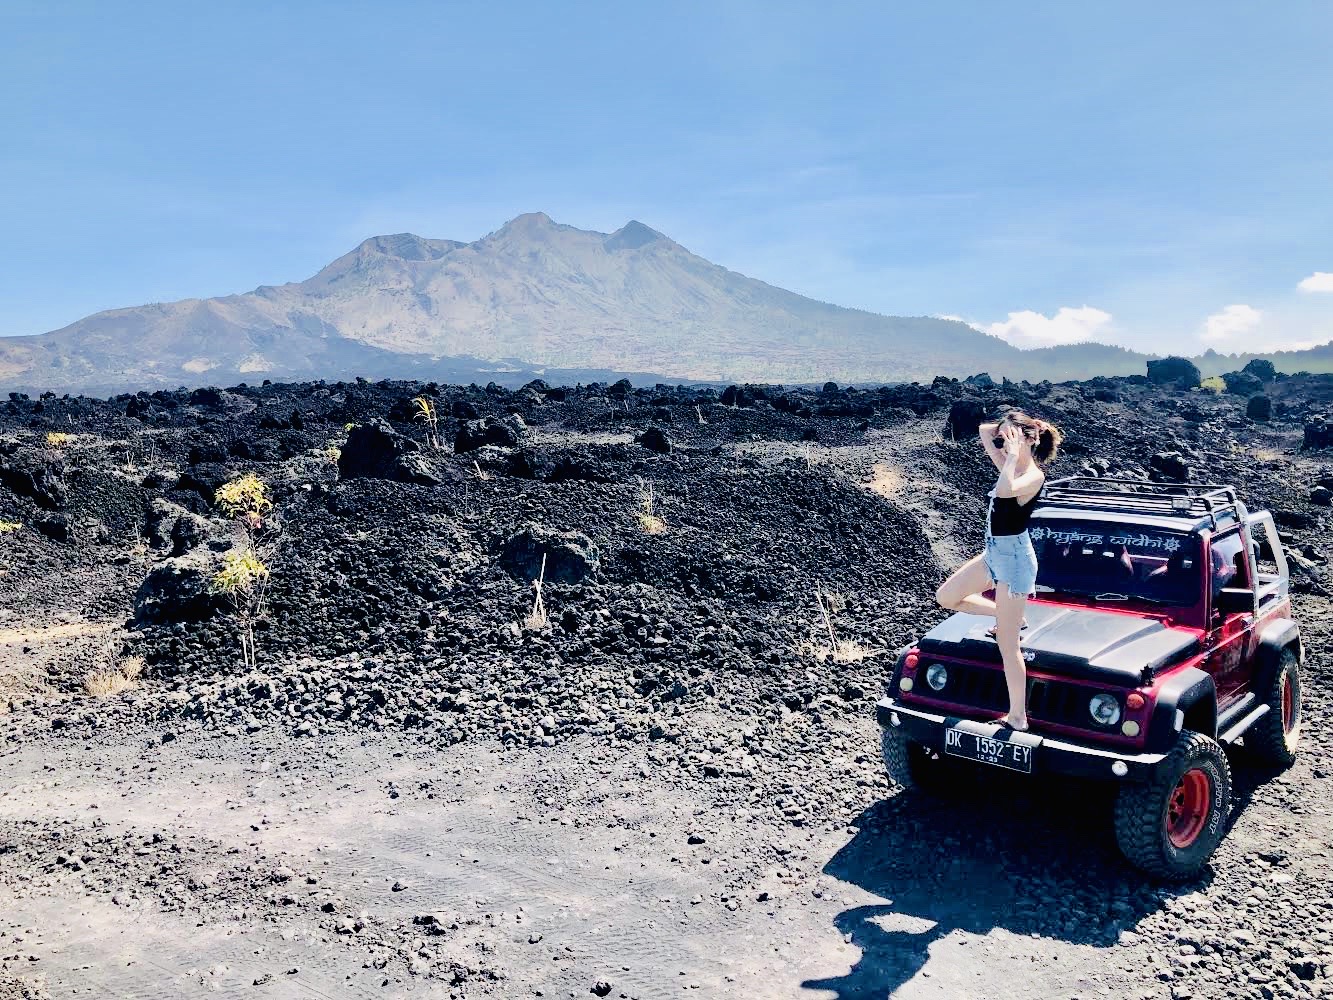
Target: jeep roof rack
1184,500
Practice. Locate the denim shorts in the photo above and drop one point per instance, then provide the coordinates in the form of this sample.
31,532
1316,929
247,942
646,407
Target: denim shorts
1012,560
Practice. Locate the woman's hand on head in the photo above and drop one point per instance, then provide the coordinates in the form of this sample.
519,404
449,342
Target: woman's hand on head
1013,440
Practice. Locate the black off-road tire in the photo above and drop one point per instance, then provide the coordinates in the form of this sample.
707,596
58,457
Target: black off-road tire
912,765
1274,738
1151,823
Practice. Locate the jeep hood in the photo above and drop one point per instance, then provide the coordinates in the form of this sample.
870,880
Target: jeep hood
1079,643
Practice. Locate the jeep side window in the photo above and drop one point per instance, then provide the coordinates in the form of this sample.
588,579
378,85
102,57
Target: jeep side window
1229,566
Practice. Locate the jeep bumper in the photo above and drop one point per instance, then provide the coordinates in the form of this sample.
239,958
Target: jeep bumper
1050,755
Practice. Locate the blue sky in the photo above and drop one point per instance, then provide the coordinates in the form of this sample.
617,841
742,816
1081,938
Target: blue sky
1156,175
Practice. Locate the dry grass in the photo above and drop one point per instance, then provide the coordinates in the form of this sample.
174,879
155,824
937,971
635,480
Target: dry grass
649,522
1269,454
536,619
479,472
109,681
835,649
58,439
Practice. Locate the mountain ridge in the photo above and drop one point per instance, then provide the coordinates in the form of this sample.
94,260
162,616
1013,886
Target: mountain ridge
536,293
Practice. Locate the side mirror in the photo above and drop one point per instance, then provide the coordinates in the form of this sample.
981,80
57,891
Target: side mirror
1234,600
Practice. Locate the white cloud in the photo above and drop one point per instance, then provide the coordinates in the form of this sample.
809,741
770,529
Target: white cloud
1320,281
1067,326
1232,323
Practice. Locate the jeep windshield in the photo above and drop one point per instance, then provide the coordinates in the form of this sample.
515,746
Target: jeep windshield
1110,562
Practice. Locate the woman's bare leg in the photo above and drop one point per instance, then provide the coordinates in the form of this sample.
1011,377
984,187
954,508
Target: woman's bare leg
1009,615
963,590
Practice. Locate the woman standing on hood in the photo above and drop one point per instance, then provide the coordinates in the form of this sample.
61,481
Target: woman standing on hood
1019,445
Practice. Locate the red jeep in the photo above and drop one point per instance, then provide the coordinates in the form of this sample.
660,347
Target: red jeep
1161,632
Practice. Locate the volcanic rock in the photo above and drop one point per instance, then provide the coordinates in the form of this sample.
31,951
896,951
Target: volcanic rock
1243,383
178,589
1170,465
655,439
1181,371
1259,408
171,526
571,556
1262,369
41,481
474,434
965,416
374,450
1318,434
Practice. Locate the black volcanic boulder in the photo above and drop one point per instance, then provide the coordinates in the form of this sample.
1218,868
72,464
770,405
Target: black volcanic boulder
170,526
1180,371
374,450
734,395
570,555
965,417
1263,370
655,439
1318,434
54,526
474,434
1259,407
179,590
1242,383
42,481
206,449
1171,466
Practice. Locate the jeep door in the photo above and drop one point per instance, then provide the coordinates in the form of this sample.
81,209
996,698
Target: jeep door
1230,613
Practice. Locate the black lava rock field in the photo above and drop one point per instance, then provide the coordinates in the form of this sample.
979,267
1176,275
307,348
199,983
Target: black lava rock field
642,623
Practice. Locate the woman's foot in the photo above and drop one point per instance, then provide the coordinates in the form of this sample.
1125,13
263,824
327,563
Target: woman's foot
994,629
1017,725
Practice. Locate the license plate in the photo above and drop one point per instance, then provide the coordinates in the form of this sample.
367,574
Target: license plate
1001,753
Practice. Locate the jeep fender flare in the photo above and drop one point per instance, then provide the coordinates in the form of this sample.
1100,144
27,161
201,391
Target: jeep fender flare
1277,635
1190,692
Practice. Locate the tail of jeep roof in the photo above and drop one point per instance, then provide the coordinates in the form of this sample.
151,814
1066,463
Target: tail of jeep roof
1194,505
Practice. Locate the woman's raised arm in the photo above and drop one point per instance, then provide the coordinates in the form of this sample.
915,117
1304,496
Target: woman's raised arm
987,434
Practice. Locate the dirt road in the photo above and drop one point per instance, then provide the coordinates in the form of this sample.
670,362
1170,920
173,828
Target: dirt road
373,867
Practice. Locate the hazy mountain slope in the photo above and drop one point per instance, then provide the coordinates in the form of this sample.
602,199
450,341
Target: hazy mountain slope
535,293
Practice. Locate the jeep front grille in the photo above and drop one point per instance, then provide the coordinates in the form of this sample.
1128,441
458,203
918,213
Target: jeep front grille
983,688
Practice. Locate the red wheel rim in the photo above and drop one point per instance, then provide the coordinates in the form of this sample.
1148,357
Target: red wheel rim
1187,809
1288,705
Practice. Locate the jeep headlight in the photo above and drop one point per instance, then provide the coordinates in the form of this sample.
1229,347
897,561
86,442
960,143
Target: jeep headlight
937,675
1105,709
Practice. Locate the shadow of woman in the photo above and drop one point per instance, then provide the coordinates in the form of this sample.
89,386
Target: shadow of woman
889,958
1028,857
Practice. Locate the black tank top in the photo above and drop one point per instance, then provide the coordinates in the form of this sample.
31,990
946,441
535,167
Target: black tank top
1009,517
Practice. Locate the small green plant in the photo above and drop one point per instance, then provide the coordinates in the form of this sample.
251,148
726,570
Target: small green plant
58,439
348,426
1216,384
242,498
9,527
244,577
429,415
